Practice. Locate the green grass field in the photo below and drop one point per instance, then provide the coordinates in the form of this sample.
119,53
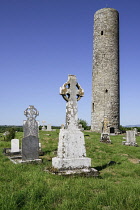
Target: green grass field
28,186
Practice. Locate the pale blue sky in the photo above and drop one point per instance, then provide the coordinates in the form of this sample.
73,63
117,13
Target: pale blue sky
42,41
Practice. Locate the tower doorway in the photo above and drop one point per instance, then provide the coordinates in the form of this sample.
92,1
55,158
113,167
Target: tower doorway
112,130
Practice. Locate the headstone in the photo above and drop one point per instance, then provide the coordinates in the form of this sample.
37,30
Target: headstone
130,138
30,148
14,145
80,127
62,126
43,127
30,126
105,138
71,154
6,133
49,127
30,142
136,131
39,146
41,153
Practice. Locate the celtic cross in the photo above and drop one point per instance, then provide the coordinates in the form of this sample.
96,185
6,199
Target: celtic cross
71,92
31,112
30,126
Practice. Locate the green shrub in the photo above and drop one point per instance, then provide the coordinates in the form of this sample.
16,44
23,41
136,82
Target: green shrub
84,124
10,135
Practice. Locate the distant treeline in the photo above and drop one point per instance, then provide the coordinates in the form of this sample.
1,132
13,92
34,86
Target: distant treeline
124,129
59,127
53,127
4,128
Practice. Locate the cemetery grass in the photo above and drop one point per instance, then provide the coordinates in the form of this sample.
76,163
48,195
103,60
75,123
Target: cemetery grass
29,186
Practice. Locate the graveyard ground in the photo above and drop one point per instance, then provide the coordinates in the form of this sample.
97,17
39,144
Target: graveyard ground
28,186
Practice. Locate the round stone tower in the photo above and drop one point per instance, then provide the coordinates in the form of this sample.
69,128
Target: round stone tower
105,76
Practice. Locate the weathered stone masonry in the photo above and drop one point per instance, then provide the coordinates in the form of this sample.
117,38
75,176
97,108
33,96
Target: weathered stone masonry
105,78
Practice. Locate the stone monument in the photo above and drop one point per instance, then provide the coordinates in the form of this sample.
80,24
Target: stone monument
15,145
136,131
71,154
105,79
130,138
30,142
62,126
49,127
105,131
43,127
80,127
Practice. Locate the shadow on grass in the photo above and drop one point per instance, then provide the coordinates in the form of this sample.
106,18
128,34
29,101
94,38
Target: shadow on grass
99,168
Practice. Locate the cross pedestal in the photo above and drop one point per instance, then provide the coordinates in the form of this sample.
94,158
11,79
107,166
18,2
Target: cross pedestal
71,152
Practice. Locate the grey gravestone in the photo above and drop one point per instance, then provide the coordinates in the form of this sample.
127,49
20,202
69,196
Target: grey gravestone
71,154
30,148
30,142
30,126
130,138
14,145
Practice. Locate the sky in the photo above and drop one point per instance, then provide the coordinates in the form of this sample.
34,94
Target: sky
43,41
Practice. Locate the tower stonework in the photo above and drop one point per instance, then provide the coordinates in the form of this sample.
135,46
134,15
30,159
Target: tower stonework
105,75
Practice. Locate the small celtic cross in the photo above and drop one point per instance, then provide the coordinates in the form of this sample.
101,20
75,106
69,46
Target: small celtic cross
31,112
